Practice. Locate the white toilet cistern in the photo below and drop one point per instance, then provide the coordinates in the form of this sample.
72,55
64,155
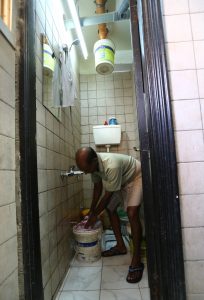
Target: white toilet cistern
107,135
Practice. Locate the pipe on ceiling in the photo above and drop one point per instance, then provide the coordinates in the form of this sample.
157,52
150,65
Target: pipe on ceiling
122,10
100,9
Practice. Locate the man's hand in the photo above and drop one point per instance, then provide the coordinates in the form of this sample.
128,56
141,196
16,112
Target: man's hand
91,220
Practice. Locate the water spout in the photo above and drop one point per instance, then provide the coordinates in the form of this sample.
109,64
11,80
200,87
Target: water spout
72,172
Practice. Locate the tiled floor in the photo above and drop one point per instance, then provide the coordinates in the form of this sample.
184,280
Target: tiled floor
103,280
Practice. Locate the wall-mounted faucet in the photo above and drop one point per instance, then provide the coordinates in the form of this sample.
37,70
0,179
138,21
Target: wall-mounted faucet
73,171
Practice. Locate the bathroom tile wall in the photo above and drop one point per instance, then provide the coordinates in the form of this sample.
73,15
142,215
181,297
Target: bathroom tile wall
184,36
8,229
57,141
101,98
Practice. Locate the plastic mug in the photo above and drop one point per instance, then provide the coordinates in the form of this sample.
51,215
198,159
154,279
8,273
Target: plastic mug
112,121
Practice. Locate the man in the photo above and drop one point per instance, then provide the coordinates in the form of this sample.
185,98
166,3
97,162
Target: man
116,173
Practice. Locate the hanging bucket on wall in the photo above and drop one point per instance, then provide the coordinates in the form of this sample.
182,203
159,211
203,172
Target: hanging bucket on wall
48,60
104,51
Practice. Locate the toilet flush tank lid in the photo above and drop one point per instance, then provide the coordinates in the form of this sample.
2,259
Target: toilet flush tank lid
107,134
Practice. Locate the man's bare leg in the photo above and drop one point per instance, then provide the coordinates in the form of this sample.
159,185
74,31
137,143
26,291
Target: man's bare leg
120,247
136,231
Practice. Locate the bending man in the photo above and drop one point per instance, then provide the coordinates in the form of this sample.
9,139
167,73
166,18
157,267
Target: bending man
118,174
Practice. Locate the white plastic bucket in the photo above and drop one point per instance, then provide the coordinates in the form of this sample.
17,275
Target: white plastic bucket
104,51
48,60
88,243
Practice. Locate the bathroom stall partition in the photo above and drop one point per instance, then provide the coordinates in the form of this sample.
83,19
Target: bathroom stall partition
158,157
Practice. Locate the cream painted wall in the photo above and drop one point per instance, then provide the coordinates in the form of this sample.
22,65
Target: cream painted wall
184,37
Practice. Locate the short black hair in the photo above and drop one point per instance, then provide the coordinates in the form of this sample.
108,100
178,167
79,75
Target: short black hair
91,155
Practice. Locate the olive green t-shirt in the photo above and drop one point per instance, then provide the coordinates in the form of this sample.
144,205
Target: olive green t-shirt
115,170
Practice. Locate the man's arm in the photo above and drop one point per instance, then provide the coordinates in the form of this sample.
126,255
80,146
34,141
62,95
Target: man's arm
103,203
100,207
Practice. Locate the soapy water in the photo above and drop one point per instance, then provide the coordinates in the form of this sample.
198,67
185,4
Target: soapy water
81,225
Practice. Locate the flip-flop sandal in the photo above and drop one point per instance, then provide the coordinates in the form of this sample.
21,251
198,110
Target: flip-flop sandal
112,252
135,273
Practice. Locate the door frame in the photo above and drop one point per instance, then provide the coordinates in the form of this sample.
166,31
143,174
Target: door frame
158,156
30,277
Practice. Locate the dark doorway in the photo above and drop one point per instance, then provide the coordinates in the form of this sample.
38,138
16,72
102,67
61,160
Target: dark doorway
161,200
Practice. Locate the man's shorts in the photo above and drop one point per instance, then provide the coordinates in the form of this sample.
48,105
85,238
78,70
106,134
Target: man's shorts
130,194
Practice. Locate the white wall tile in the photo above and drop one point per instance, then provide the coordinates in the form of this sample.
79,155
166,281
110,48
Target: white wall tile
201,82
8,222
8,258
43,203
180,56
202,110
83,78
100,102
192,210
128,109
120,110
6,292
183,84
92,111
83,86
49,122
91,86
40,115
177,28
92,102
41,135
110,93
117,83
84,129
91,78
7,88
128,92
199,50
195,296
84,112
127,83
84,95
41,157
194,274
196,6
100,85
7,57
189,146
130,118
85,138
109,85
7,120
101,93
101,110
42,181
193,242
128,100
7,153
93,120
91,94
197,21
84,121
186,110
110,110
191,181
174,7
7,187
84,103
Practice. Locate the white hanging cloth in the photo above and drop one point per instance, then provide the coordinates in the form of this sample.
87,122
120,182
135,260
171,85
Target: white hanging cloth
68,85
